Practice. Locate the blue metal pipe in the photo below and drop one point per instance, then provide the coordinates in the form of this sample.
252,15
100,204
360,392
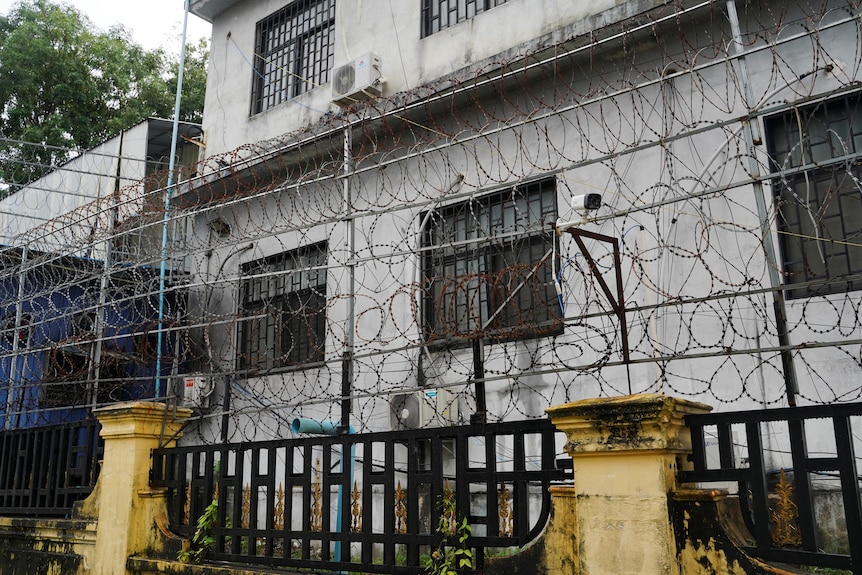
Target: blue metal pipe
168,193
306,425
313,426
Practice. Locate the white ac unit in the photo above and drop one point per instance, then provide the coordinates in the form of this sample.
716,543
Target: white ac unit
357,81
192,390
423,408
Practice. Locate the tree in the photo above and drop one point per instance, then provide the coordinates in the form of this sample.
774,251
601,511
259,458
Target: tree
194,82
66,85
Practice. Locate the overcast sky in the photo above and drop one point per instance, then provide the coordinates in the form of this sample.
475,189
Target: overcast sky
154,23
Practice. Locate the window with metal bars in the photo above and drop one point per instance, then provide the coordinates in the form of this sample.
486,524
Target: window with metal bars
488,267
66,383
283,310
817,152
440,14
293,52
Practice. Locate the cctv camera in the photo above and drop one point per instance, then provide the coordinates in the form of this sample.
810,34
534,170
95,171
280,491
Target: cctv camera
586,202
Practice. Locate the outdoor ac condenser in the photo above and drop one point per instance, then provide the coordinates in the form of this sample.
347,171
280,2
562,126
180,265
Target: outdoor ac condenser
423,408
358,80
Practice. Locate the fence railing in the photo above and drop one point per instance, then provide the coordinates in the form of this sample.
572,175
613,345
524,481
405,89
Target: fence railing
379,502
45,470
780,504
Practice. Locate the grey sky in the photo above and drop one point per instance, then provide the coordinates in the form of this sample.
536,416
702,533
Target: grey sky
153,23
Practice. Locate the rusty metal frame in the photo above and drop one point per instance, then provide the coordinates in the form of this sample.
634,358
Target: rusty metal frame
617,300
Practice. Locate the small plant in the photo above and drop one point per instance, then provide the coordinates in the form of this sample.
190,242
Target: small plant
451,560
202,542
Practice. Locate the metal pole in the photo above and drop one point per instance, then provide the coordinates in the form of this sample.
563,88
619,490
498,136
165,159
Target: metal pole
347,357
748,130
168,193
95,369
11,390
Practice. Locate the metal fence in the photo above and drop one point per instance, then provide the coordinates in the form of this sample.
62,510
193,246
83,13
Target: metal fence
375,503
45,470
779,504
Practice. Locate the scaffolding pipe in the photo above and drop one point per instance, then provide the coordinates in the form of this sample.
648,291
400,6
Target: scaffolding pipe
12,389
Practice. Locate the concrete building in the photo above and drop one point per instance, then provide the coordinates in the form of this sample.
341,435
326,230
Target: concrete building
414,215
79,279
385,213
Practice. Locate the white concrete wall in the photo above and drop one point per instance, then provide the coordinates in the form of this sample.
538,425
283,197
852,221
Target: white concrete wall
80,181
390,29
640,147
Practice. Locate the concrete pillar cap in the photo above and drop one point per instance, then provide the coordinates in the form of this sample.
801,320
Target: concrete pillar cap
140,418
630,423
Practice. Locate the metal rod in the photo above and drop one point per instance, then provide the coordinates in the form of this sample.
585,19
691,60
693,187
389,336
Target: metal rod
95,370
617,301
350,225
168,193
790,382
11,391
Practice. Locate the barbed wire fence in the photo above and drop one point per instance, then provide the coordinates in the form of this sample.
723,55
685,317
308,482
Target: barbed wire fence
407,244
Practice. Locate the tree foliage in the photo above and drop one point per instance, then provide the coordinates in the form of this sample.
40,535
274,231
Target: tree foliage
65,84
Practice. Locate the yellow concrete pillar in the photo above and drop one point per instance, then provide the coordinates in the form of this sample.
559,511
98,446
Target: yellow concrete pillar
626,452
126,505
561,542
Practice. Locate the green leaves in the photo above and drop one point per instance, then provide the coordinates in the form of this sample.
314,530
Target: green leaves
451,560
65,84
202,542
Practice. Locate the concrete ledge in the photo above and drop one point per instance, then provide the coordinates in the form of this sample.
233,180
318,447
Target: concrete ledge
145,566
53,530
46,545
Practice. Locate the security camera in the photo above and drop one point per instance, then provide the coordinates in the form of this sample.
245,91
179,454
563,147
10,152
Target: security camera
587,202
583,203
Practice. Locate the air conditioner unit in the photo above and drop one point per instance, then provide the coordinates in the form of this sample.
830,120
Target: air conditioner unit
192,390
423,408
357,81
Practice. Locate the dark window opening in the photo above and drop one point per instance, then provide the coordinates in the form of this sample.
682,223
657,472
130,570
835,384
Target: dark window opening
294,51
23,331
440,14
818,195
283,310
488,271
66,379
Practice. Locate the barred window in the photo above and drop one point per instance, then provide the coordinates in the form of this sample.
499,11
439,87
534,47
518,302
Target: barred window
283,310
816,150
440,14
488,266
294,51
66,378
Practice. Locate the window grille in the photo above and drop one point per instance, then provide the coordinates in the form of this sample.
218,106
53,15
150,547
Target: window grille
294,52
818,194
488,266
283,315
440,14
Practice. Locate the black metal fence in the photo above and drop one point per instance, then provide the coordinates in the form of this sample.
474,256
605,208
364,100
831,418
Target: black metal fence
45,470
375,503
780,503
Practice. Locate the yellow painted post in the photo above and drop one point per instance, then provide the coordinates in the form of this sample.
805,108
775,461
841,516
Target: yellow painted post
127,507
625,452
561,542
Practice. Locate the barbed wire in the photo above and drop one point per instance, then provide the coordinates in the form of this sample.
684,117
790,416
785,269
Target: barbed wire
300,279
